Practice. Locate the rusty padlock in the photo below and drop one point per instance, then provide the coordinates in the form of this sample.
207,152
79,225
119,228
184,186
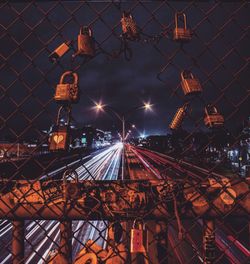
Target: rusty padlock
138,237
129,27
190,85
59,139
213,118
178,117
60,51
85,43
181,34
67,92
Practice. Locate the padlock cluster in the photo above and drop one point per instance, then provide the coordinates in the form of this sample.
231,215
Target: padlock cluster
191,87
86,45
66,94
189,83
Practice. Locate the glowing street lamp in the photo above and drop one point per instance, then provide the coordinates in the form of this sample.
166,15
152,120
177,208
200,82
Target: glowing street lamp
148,106
101,107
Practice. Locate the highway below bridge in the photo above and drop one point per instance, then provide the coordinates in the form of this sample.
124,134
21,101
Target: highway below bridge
183,239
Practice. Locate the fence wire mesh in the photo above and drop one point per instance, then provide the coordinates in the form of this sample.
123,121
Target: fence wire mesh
181,198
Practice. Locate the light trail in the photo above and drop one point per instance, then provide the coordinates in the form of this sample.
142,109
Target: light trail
101,166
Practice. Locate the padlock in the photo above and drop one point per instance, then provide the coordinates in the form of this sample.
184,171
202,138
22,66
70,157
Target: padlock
213,118
71,189
60,51
85,43
181,34
67,92
129,27
190,84
138,237
178,117
86,259
59,139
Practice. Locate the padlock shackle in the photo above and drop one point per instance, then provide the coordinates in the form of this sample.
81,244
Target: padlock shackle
69,171
185,106
212,107
90,32
74,74
139,220
127,14
59,114
177,15
187,75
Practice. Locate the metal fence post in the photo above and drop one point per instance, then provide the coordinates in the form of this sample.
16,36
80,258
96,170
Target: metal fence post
209,241
18,242
65,250
161,230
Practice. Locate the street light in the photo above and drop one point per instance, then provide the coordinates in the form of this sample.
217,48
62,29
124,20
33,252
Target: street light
99,106
148,106
121,117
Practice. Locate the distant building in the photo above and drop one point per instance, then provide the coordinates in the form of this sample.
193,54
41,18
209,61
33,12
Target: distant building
16,149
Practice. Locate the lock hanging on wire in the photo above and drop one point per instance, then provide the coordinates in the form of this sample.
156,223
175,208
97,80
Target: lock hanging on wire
59,139
178,117
129,27
67,92
60,51
71,185
213,118
85,43
190,84
181,34
138,237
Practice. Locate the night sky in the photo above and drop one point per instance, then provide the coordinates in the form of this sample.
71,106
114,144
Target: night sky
218,55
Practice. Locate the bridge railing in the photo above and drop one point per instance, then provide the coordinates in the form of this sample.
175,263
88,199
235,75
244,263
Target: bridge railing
192,59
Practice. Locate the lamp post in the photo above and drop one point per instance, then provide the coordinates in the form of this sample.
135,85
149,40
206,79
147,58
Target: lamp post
122,118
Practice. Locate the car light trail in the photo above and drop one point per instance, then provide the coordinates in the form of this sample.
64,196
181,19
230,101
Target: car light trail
104,165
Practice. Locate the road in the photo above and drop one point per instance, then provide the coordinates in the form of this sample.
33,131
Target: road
43,236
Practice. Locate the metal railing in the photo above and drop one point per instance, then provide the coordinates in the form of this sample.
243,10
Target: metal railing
196,208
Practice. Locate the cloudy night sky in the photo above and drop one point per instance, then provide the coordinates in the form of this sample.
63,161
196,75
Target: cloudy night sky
217,55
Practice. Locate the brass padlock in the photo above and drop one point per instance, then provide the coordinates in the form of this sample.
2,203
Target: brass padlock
138,237
67,92
71,185
85,43
190,84
178,117
129,27
60,51
213,118
59,139
181,34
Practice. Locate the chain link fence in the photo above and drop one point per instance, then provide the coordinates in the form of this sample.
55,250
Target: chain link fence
62,200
